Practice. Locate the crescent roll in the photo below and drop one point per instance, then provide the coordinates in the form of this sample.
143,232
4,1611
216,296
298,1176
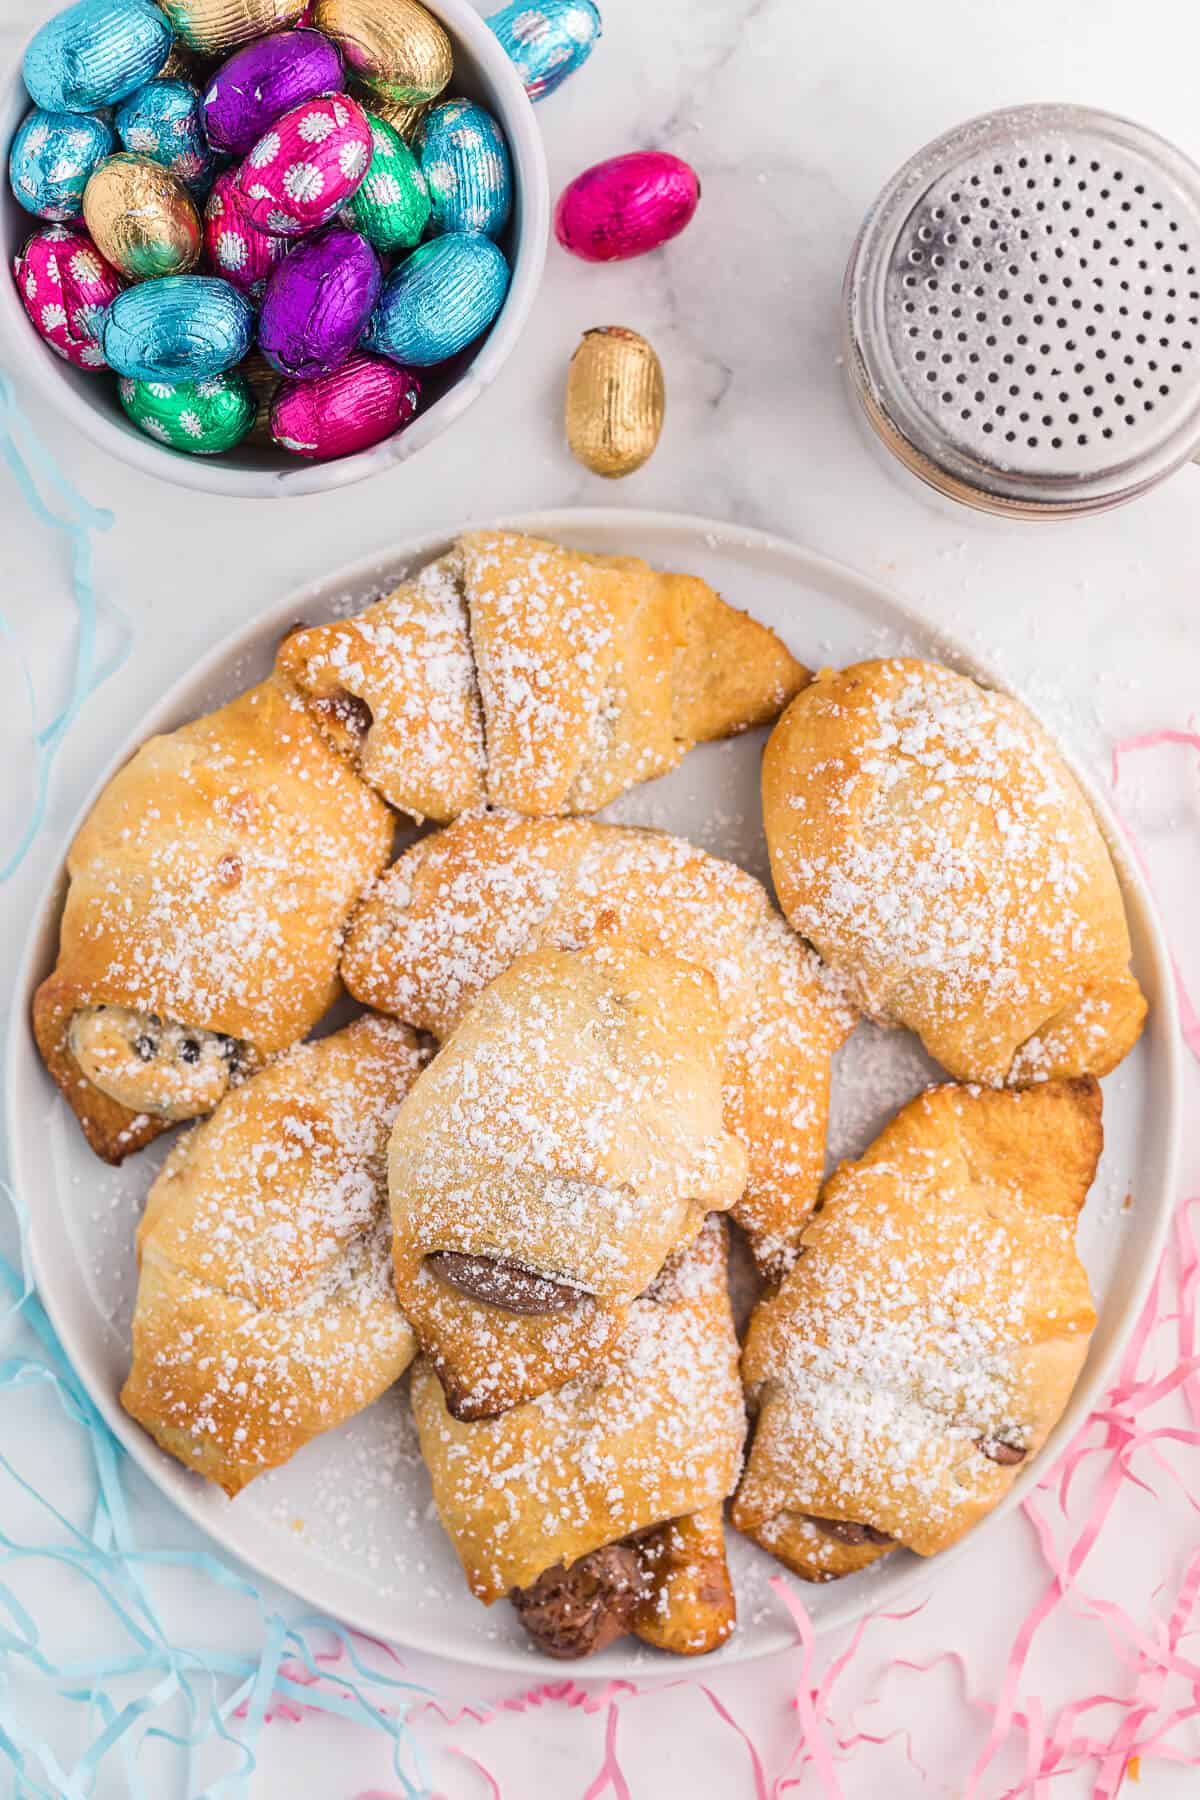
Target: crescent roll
928,1338
208,889
565,1140
928,839
457,907
516,672
598,1508
265,1309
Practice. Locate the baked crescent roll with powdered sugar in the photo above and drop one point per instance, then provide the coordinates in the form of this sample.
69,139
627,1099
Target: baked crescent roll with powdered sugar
598,1508
458,906
927,837
265,1309
928,1337
515,672
564,1141
208,889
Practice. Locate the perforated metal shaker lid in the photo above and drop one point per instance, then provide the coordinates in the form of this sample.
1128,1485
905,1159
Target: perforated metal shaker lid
1022,311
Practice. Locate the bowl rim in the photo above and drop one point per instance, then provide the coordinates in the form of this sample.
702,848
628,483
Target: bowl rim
47,373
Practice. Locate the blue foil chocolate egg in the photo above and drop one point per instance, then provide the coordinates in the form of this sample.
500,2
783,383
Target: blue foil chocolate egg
439,299
547,40
179,328
161,119
317,301
52,157
94,53
261,82
464,159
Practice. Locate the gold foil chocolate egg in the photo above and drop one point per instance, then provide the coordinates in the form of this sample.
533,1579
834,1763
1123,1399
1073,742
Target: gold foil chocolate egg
214,27
402,115
615,401
141,217
264,383
394,46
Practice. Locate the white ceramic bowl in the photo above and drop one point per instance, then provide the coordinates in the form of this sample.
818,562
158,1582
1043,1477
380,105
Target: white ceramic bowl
482,71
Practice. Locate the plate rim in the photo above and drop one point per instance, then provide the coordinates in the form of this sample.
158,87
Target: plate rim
195,1498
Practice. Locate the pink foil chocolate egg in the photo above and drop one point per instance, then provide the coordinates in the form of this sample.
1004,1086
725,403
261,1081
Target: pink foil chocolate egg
66,287
305,166
358,405
626,206
233,247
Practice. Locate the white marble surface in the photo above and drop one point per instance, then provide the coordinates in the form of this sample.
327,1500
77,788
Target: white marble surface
794,115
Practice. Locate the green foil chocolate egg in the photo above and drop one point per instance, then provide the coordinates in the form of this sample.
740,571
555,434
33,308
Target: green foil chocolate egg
392,206
200,417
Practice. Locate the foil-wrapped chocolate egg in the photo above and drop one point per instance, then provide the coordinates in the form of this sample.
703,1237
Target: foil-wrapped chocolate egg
626,206
358,405
233,247
215,27
181,328
467,168
94,53
392,207
547,40
395,47
200,417
317,302
439,299
306,166
261,82
615,401
66,287
142,217
402,115
264,383
52,158
162,121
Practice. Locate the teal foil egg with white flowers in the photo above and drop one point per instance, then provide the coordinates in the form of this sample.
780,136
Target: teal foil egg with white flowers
94,53
53,155
462,154
547,40
161,120
178,328
438,300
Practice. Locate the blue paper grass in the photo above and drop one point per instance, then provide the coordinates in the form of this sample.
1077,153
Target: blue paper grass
45,488
223,1698
213,1688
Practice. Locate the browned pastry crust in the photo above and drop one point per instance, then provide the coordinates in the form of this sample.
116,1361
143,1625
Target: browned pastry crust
928,839
571,1125
457,907
636,1455
265,1309
515,671
928,1338
209,885
687,1604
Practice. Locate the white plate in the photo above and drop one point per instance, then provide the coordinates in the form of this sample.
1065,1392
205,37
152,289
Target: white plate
348,1523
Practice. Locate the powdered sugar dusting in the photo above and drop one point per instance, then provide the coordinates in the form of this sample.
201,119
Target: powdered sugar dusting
928,839
653,1432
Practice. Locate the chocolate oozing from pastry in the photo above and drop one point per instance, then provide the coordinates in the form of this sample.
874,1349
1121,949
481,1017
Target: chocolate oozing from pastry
574,1612
347,710
498,1281
1002,1452
153,1065
849,1531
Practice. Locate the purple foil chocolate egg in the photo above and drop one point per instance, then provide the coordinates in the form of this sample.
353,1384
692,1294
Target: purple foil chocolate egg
358,405
258,84
317,302
626,206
